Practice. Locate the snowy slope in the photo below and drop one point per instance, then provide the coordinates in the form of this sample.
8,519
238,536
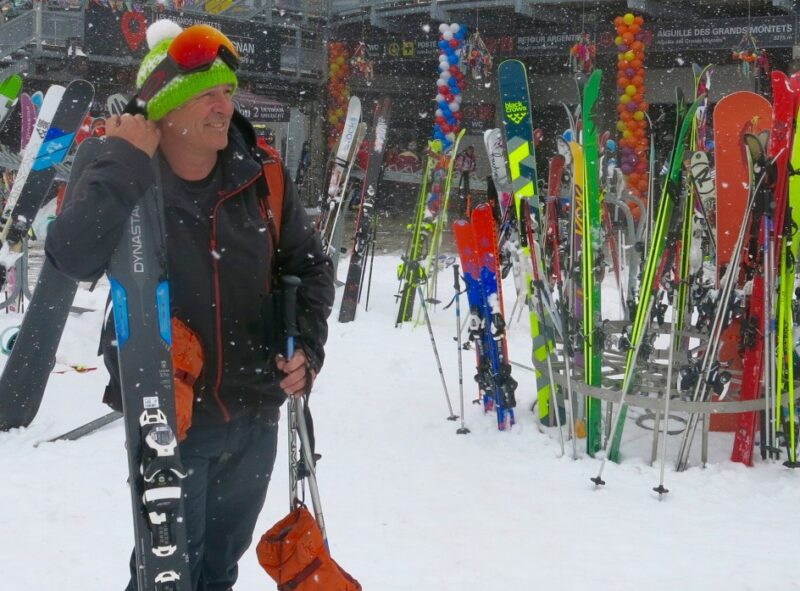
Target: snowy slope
410,504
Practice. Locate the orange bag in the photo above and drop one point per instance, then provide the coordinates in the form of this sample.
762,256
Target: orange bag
294,554
187,365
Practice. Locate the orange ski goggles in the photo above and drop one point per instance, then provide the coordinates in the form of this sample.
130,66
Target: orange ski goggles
194,50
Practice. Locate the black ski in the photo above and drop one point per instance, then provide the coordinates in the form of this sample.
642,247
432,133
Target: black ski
86,429
365,219
140,294
33,355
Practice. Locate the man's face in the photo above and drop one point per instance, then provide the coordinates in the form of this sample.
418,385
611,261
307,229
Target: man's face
201,124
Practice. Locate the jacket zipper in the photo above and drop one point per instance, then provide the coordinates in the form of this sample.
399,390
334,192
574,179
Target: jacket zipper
218,294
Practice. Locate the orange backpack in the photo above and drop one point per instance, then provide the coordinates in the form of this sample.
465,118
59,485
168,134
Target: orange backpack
187,350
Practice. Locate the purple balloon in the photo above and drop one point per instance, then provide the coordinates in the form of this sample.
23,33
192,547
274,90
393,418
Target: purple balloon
630,72
626,168
631,106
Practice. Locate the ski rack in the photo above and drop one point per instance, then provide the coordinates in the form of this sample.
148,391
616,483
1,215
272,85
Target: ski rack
647,392
21,287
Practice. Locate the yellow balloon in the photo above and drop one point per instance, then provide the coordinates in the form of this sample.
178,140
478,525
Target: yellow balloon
617,40
627,134
638,115
624,99
621,126
630,55
630,90
628,19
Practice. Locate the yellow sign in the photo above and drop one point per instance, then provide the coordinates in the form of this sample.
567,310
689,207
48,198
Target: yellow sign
409,49
218,6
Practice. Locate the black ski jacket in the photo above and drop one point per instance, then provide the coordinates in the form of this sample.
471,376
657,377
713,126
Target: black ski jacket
221,269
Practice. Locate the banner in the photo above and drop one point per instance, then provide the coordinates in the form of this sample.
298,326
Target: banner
112,32
258,109
710,35
724,34
478,117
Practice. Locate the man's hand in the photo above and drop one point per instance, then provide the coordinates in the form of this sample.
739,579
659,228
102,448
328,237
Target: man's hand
297,373
136,130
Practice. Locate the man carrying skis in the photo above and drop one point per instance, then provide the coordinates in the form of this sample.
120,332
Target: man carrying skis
230,233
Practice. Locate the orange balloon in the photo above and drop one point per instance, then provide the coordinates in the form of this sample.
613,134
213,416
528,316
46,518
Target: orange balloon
639,20
621,109
642,185
639,133
634,28
638,97
644,106
625,115
636,64
627,36
621,29
617,21
637,81
637,46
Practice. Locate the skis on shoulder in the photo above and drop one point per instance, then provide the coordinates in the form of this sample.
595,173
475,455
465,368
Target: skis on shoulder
140,296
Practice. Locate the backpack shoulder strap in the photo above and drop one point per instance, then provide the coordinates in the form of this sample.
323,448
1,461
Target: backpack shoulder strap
276,183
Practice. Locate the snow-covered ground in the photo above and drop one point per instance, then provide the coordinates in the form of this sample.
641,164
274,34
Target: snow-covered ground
410,504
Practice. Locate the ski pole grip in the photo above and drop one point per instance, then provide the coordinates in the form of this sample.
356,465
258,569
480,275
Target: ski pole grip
290,285
456,280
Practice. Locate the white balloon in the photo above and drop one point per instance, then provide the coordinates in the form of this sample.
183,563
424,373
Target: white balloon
447,35
454,106
442,28
444,66
439,98
455,28
451,136
446,75
438,113
443,57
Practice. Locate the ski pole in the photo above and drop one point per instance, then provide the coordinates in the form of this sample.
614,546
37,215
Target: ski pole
452,416
660,488
457,286
291,283
371,264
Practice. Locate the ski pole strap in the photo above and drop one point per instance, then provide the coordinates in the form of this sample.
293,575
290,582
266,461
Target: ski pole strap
311,439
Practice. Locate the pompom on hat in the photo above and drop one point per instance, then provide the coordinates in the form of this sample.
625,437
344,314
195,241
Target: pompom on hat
184,86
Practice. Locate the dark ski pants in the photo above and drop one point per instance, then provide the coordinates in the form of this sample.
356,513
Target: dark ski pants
229,468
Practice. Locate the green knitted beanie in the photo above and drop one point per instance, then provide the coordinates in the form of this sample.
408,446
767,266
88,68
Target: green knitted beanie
183,87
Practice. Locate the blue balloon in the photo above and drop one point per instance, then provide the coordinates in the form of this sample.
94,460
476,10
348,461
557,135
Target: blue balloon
567,135
454,61
443,45
611,146
451,120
